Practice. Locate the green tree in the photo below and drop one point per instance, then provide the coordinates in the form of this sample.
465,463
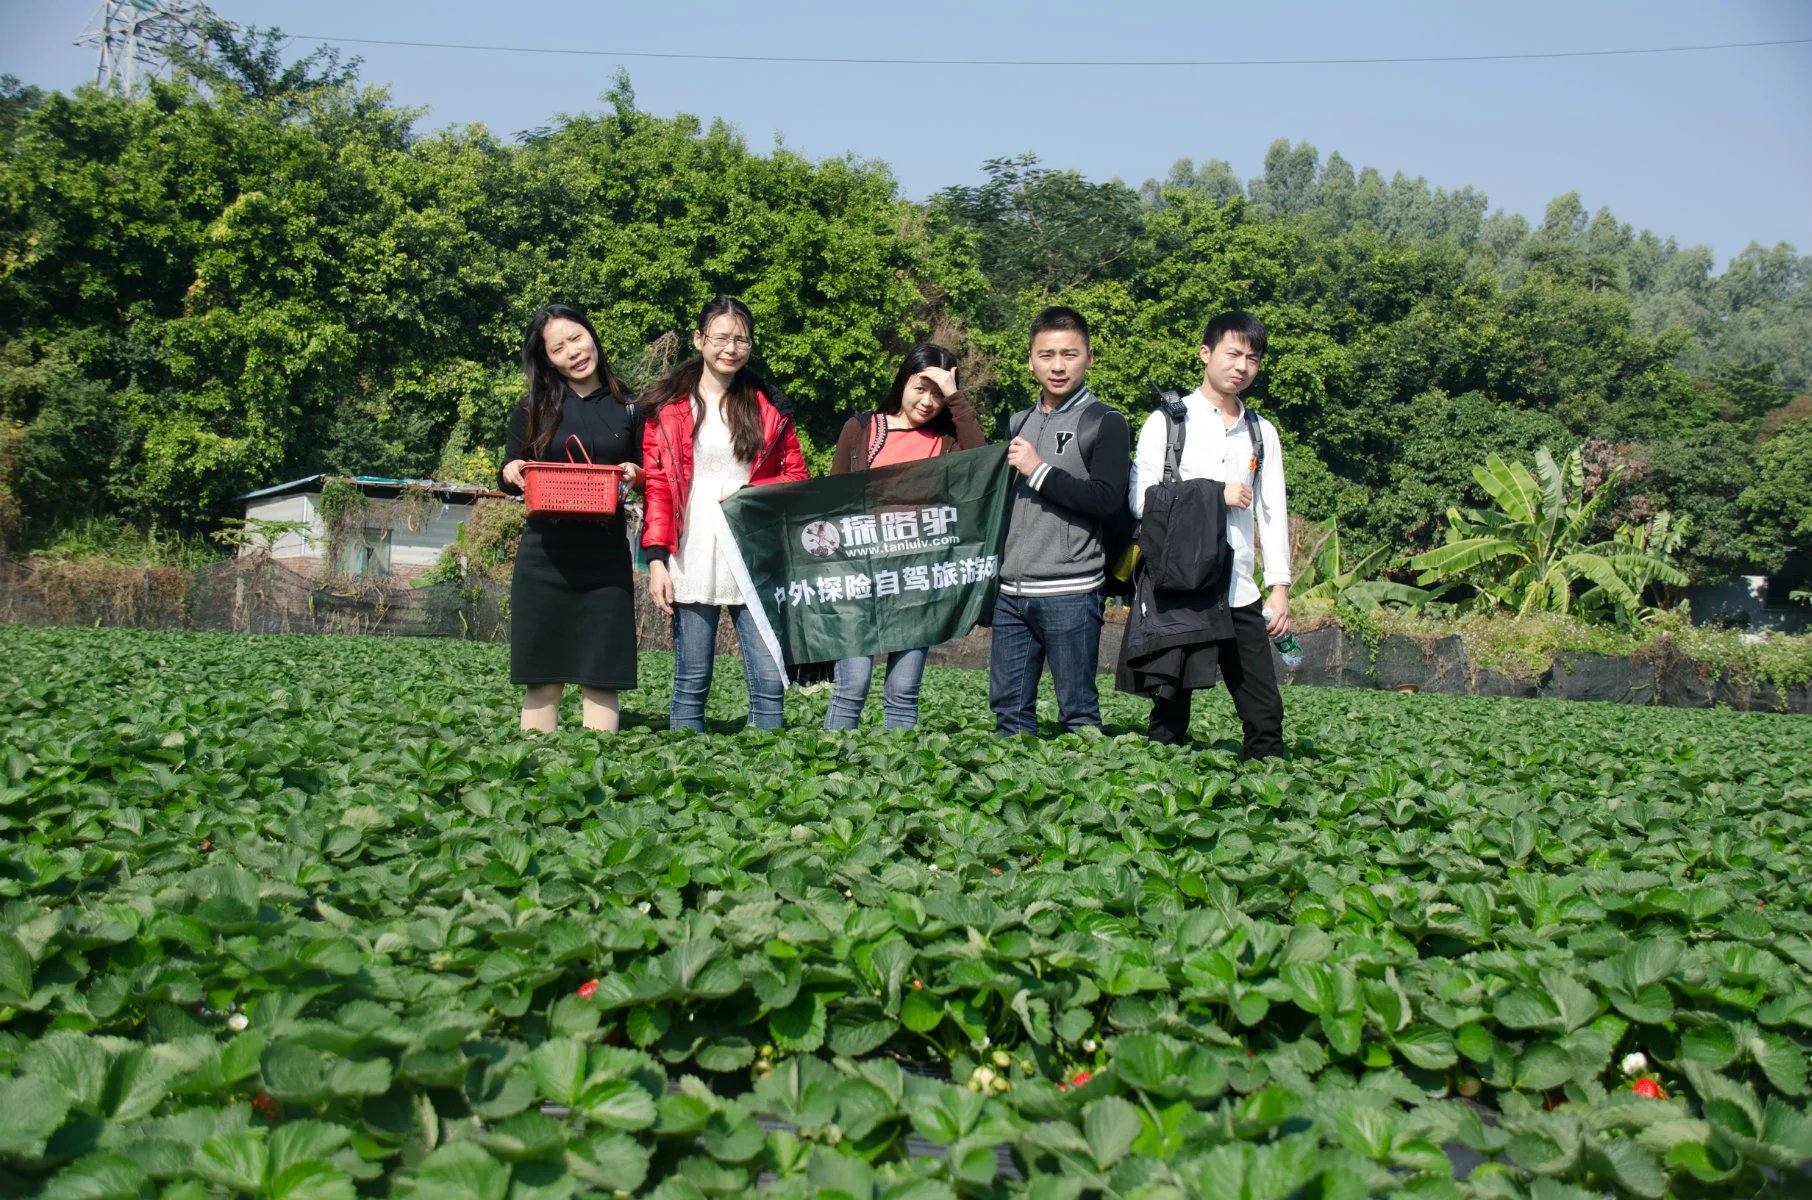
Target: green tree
1503,236
1288,185
1763,303
16,100
12,518
643,219
1700,477
269,275
1334,191
1779,501
1214,178
1569,350
1432,470
259,270
1743,394
1041,230
66,436
250,61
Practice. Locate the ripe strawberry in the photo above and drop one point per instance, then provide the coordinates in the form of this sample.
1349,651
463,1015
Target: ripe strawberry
267,1107
1080,1078
588,989
1649,1088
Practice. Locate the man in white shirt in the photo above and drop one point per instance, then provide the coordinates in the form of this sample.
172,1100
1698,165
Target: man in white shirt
1218,446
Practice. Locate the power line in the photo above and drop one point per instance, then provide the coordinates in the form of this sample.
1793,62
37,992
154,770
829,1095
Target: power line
1065,65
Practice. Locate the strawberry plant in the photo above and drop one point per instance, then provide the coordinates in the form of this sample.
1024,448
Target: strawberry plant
290,917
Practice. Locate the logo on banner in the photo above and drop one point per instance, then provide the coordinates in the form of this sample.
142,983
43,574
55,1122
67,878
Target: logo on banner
819,539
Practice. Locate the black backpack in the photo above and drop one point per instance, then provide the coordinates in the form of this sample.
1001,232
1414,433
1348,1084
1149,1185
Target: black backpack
1171,405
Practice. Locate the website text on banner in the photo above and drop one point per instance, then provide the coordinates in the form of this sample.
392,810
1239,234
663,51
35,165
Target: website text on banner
875,561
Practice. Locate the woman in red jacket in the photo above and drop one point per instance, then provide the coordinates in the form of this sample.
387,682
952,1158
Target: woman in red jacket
711,431
922,416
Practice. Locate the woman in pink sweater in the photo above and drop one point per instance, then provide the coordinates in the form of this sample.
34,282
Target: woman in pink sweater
922,415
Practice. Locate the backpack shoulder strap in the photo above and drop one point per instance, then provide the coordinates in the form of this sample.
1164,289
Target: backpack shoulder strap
1176,416
1258,445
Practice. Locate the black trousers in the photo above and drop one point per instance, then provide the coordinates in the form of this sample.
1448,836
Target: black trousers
1245,666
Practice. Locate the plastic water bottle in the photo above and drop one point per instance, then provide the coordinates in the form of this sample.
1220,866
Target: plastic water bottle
1288,648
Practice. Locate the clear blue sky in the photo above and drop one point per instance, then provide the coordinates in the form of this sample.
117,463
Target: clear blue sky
1712,147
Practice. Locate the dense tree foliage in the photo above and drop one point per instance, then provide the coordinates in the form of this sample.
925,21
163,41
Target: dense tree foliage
1777,502
260,270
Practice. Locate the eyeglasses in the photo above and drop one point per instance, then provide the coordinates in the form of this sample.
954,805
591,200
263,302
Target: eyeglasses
718,341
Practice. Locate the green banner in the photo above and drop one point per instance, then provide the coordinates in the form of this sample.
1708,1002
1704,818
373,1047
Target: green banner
873,561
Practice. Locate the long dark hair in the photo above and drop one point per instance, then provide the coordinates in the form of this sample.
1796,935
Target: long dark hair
546,386
925,354
742,406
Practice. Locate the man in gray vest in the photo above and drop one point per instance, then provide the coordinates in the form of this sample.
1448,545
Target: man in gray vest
1072,455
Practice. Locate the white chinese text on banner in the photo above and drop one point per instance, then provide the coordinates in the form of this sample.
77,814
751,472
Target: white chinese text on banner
873,561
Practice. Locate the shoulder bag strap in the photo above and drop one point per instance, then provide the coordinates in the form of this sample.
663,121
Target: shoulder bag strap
1258,447
1175,417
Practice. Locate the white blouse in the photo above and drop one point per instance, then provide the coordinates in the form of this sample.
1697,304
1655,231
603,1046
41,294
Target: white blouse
701,573
1212,450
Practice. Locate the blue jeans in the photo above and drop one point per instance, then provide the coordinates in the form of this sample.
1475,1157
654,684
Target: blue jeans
1030,631
695,653
899,694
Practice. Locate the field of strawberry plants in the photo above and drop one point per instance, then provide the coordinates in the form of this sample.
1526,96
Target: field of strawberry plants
308,919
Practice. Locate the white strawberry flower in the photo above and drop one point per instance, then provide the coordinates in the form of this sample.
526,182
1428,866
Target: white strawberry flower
1634,1063
238,1022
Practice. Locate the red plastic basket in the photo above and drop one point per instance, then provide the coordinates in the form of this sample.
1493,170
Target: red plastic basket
577,491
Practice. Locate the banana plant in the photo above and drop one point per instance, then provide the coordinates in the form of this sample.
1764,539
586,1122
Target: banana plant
1326,576
1528,553
1660,537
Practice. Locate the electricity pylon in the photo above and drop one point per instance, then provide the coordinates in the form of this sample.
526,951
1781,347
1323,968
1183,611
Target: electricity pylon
139,35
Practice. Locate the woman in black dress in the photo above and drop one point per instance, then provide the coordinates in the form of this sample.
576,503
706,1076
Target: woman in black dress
572,599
